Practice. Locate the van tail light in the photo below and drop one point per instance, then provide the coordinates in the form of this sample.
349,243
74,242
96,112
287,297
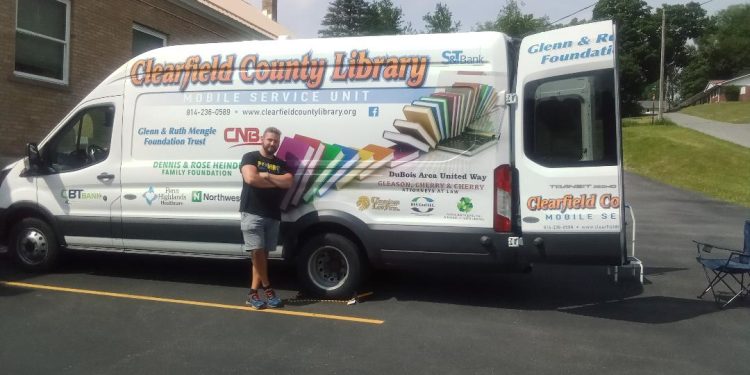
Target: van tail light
503,183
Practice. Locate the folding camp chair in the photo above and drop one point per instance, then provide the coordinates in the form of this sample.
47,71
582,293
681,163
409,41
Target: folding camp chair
737,266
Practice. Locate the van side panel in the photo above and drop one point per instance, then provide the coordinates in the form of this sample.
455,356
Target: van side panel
343,105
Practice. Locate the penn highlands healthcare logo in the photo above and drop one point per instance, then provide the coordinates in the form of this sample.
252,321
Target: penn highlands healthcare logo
422,205
150,195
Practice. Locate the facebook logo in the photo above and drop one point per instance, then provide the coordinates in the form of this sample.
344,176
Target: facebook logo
374,111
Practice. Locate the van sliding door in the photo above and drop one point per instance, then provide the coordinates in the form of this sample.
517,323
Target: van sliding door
567,145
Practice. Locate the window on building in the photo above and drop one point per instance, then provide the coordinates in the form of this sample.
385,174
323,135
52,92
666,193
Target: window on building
42,39
145,39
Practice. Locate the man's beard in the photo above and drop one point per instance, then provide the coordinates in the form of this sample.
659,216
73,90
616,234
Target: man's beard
270,149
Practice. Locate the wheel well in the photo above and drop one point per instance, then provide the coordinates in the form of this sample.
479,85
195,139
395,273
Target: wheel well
27,212
320,228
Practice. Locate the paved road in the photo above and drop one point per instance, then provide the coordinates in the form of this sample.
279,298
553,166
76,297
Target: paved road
735,133
558,319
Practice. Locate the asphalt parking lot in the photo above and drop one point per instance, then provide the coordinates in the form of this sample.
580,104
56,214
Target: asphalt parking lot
112,314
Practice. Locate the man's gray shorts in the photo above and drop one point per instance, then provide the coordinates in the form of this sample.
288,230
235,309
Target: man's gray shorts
259,232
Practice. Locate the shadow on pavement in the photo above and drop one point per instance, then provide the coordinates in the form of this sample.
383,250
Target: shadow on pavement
581,290
649,310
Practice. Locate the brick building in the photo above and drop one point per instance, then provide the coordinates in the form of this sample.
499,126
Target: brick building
55,51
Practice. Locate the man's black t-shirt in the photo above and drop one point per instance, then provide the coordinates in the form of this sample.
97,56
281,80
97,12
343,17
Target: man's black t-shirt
258,201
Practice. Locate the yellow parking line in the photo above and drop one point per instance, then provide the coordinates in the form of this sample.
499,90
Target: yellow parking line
192,303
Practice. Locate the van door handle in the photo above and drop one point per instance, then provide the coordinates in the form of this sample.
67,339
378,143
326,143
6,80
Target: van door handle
105,177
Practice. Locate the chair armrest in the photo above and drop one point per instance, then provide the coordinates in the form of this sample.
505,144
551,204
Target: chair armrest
707,248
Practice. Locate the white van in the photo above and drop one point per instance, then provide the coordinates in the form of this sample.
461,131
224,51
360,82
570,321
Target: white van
407,150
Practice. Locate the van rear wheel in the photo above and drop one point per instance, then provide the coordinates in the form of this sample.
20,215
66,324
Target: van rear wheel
330,266
33,245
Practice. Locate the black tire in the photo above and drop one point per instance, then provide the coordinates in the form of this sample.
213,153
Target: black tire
33,245
330,266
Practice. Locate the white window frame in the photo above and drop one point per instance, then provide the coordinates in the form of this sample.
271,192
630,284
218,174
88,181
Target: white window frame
151,32
66,47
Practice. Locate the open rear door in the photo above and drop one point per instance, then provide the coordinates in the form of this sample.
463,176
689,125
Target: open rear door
567,145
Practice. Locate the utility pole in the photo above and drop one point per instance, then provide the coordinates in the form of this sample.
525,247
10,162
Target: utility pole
661,67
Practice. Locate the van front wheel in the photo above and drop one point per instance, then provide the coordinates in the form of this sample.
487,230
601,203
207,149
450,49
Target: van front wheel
33,245
330,266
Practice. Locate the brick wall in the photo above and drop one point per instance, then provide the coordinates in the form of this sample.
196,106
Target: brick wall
100,41
746,96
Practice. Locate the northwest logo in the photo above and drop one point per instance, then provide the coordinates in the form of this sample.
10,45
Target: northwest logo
242,136
422,205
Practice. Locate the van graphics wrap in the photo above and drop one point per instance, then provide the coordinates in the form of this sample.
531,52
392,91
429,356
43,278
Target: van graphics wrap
422,205
357,65
370,142
167,197
69,195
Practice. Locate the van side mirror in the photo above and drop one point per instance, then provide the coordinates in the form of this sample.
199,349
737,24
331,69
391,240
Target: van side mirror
35,159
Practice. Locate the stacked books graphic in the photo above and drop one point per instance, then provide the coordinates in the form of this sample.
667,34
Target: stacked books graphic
456,119
319,167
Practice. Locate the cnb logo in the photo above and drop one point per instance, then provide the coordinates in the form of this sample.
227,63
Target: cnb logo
363,203
242,136
197,196
458,57
422,205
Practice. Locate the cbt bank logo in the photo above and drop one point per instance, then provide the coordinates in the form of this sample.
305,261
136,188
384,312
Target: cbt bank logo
242,136
458,57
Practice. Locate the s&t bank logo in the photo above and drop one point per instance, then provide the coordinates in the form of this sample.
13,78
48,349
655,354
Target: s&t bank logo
374,111
458,57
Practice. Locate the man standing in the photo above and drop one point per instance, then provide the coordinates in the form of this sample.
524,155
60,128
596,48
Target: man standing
265,180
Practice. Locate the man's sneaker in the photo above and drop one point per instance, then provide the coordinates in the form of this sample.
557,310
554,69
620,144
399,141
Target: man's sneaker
254,301
273,300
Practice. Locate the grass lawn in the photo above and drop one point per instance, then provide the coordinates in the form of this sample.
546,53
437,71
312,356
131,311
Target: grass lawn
688,159
734,112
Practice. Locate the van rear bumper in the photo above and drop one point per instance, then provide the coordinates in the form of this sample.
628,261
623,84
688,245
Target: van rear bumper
576,248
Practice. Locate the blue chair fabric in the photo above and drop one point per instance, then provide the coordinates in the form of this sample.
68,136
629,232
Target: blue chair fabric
731,271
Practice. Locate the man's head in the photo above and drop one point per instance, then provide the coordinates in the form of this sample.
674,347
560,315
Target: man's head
271,139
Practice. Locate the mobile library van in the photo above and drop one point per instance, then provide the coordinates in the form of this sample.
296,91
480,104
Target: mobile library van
406,150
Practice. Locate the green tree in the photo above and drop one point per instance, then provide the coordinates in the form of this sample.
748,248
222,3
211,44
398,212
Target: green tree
441,21
638,40
721,53
513,22
346,18
384,18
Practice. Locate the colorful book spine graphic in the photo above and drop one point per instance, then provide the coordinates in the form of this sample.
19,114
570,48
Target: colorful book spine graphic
297,155
406,140
329,162
348,161
381,155
366,158
306,178
318,167
402,155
